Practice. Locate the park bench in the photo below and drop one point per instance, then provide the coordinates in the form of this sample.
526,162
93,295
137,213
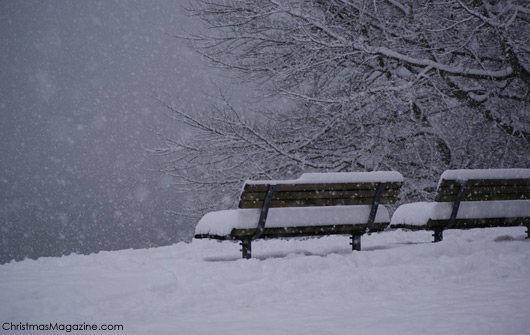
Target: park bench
467,199
315,204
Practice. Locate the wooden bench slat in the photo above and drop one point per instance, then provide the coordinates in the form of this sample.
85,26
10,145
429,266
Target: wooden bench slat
466,224
485,182
480,223
486,189
315,202
296,195
483,197
320,187
309,231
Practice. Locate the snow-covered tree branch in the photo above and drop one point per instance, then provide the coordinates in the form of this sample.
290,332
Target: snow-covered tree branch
416,86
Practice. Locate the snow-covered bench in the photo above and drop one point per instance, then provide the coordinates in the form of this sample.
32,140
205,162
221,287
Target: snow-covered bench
315,204
468,199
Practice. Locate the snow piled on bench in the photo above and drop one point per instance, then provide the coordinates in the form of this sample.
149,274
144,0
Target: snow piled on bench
486,174
338,177
221,223
417,214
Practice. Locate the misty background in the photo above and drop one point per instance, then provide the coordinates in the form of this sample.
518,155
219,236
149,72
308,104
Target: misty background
76,109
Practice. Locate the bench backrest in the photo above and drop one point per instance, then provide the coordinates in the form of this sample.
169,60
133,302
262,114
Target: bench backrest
512,184
317,194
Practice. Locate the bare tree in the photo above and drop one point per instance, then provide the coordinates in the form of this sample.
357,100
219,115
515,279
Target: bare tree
417,86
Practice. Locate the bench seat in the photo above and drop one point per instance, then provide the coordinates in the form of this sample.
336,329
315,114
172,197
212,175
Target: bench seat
289,221
471,214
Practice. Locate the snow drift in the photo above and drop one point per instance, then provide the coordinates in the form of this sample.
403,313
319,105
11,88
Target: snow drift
474,282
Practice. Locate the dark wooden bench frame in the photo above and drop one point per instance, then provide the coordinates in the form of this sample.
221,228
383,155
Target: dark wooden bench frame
265,195
458,191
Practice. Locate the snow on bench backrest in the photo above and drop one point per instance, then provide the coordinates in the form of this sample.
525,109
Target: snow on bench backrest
323,189
486,174
338,177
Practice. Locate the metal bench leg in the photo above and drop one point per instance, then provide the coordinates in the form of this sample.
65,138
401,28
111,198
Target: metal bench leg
438,235
528,231
246,248
355,242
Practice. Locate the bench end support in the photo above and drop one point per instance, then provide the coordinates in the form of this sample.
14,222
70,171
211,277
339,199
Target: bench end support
438,236
246,248
355,242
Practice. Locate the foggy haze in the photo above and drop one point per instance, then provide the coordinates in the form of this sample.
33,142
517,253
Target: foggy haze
76,103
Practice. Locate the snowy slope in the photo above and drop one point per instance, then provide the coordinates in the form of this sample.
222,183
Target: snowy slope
474,282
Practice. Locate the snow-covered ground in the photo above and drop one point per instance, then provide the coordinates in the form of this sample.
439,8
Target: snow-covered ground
474,282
